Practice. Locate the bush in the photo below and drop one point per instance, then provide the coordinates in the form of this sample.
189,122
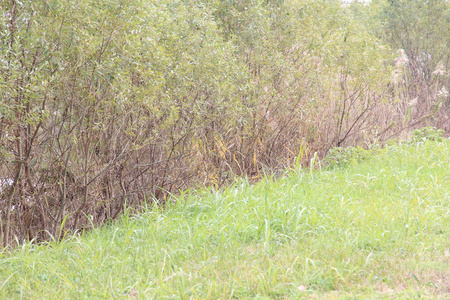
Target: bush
427,133
112,104
103,105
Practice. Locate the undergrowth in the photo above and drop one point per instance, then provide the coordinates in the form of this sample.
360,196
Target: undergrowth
377,228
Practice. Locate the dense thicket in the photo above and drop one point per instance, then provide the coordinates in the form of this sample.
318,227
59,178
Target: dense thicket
113,104
420,33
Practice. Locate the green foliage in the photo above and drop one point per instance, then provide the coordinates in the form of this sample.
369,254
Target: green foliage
407,22
106,103
419,27
343,157
378,228
427,133
351,155
418,30
97,90
312,63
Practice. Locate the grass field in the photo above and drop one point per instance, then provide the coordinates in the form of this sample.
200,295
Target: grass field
377,227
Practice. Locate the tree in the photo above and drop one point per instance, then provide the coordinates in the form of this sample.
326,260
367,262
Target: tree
418,30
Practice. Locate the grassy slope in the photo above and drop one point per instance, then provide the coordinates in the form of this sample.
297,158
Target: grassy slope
376,229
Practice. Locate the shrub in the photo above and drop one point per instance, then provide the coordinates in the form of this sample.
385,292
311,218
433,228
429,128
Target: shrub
112,104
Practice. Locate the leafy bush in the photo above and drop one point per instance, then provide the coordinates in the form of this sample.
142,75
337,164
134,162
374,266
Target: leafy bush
427,133
340,157
106,105
103,104
420,81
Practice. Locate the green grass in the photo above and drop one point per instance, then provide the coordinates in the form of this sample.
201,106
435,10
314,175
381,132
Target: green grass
374,229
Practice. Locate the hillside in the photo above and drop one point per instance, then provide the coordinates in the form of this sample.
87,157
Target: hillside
372,224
